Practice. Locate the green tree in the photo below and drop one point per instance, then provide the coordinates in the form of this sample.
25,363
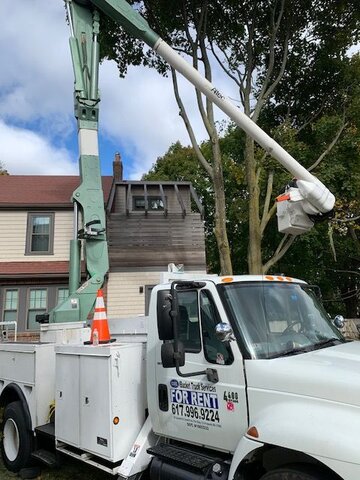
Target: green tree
263,47
330,255
180,163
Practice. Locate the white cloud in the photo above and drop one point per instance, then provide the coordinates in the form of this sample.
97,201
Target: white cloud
27,153
140,111
354,50
36,73
137,113
35,88
142,114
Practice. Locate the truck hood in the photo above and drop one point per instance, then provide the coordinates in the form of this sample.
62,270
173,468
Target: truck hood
332,373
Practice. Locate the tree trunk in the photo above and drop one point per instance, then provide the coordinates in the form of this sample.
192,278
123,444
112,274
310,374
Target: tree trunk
348,291
220,211
254,247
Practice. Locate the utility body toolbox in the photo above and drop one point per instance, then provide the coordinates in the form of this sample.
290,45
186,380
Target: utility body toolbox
100,397
30,366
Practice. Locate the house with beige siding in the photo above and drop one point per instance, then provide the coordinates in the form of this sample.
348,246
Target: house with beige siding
36,225
149,226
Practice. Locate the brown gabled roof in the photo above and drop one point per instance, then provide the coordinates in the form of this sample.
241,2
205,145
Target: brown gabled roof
35,269
42,190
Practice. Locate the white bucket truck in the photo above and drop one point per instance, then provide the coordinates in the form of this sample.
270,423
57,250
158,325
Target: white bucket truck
240,378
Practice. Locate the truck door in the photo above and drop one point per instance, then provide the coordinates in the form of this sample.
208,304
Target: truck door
194,409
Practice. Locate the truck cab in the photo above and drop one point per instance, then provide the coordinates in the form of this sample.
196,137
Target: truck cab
250,365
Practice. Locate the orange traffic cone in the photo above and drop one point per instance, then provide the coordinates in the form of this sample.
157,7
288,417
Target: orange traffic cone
100,328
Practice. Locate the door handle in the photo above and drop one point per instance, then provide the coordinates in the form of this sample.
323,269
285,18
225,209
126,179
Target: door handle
163,397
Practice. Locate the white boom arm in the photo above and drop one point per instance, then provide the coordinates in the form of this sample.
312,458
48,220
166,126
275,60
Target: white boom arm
307,197
310,197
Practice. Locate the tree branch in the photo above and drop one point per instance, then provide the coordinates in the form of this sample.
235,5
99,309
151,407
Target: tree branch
186,23
188,126
344,220
226,70
275,83
354,236
240,80
201,26
194,47
181,50
330,147
269,188
208,75
331,241
270,68
311,118
248,68
283,247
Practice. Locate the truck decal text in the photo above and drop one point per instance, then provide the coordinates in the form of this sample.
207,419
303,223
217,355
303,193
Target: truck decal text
195,401
198,399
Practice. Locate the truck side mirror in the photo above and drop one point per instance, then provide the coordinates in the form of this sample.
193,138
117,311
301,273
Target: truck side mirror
224,332
168,355
164,320
173,352
339,321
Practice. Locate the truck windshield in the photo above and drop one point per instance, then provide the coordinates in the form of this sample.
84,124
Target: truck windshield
276,319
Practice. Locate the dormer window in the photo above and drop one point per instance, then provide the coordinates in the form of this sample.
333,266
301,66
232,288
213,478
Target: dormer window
155,204
40,234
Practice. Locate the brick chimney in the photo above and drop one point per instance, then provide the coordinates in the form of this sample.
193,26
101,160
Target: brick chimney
117,168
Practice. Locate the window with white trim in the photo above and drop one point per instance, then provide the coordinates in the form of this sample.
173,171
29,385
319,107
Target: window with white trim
11,305
62,295
40,234
37,304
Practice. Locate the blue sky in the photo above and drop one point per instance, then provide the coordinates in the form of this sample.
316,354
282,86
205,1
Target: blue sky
138,115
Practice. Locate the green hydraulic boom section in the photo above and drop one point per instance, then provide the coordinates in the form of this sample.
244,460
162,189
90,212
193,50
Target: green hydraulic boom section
130,20
84,22
88,198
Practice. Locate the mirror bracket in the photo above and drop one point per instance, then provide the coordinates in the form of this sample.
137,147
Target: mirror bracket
212,375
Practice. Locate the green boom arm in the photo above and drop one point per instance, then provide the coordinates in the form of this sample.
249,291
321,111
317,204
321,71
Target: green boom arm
88,198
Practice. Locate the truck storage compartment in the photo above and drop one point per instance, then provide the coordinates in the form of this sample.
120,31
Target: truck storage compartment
100,397
30,366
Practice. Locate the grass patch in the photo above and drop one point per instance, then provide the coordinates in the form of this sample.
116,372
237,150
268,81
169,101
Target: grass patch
70,470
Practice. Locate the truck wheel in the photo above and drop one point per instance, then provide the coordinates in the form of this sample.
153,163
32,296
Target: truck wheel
295,473
17,440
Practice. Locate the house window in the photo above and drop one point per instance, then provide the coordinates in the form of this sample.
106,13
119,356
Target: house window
11,303
40,234
37,305
62,294
154,203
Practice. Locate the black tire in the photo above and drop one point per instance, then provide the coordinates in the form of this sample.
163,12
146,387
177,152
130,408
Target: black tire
17,440
296,473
